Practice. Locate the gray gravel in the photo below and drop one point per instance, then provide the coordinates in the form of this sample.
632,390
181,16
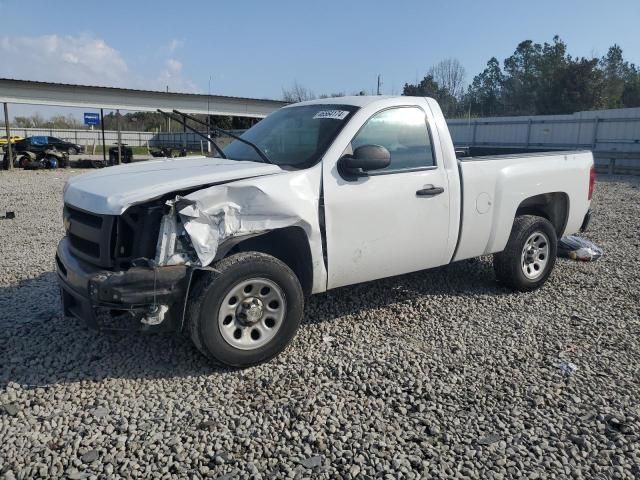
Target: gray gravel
435,374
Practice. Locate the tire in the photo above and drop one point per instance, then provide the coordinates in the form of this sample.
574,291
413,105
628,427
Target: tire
247,311
530,255
24,161
72,151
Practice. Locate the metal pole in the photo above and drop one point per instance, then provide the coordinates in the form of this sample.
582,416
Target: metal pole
208,132
578,136
184,135
594,141
529,132
104,145
119,137
8,129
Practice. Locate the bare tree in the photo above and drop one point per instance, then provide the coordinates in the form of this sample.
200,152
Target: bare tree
450,75
331,95
297,93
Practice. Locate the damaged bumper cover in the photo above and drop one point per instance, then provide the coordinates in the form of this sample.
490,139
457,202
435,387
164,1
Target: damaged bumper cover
141,297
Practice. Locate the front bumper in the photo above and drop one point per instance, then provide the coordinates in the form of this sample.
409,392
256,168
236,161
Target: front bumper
129,299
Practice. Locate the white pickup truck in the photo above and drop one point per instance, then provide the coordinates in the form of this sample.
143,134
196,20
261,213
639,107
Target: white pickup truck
318,195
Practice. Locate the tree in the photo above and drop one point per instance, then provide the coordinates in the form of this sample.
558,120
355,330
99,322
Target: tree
23,122
522,78
428,87
485,92
331,95
615,69
450,75
297,93
578,86
631,93
551,67
538,79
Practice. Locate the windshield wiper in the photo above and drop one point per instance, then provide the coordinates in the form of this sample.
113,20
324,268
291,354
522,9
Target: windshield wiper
263,156
184,124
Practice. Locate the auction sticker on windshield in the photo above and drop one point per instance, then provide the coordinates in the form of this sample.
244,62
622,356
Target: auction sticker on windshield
334,114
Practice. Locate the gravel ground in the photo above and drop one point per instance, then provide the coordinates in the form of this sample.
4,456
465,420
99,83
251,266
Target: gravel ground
434,374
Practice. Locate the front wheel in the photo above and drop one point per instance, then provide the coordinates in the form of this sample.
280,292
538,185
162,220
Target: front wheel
72,151
247,311
530,255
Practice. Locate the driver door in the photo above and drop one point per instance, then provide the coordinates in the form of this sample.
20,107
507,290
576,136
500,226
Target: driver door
389,222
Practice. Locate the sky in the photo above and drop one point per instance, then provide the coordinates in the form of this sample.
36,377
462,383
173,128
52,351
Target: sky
257,48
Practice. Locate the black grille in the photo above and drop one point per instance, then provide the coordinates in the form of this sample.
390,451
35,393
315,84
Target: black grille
85,246
113,241
90,235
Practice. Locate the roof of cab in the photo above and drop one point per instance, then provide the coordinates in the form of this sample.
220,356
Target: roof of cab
355,100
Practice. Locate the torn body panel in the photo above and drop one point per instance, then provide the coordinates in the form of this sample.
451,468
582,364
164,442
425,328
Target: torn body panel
245,208
172,247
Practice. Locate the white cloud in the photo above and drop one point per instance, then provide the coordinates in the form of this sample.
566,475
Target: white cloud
174,44
81,60
84,60
174,66
172,77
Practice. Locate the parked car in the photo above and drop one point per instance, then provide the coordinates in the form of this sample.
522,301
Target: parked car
39,143
13,139
318,195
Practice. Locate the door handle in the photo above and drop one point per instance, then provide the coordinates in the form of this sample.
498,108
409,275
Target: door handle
429,191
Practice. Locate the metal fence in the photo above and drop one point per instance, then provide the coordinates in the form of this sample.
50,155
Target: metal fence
613,135
89,138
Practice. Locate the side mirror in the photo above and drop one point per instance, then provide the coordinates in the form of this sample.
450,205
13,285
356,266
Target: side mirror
364,159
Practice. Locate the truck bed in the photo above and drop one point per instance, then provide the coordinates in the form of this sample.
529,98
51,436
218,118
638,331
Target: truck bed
494,188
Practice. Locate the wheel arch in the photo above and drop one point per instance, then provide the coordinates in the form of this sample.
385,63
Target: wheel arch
289,245
553,206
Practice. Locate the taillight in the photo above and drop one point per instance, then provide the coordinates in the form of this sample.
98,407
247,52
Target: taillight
592,180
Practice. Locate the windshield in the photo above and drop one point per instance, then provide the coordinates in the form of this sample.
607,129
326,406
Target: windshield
293,136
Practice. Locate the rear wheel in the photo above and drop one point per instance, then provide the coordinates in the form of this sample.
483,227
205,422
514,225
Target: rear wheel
530,255
247,311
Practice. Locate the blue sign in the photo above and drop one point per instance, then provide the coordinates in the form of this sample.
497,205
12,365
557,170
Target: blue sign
91,118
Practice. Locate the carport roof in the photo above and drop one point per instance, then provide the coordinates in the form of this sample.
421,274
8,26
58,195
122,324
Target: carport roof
114,98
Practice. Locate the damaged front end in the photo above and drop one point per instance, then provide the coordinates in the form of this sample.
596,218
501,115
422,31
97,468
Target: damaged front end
136,268
109,270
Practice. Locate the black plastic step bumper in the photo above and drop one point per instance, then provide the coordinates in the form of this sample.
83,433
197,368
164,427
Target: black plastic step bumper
585,222
96,296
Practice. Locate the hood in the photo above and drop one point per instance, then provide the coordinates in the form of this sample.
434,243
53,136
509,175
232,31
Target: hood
112,190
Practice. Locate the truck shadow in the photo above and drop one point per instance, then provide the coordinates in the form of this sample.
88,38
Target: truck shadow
40,347
467,278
